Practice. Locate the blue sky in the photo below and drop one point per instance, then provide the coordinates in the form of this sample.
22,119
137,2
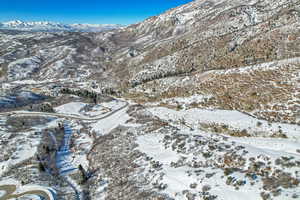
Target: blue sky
85,11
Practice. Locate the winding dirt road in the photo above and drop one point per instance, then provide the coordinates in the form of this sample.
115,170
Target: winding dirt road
10,190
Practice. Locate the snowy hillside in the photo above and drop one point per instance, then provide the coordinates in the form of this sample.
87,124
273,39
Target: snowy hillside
199,103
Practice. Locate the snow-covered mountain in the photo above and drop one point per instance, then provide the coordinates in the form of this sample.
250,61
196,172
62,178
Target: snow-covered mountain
212,112
56,27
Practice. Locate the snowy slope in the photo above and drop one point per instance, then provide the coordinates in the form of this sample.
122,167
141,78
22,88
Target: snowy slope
187,163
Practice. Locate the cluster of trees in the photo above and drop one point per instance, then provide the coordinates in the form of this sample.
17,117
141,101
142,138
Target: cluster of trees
44,162
150,76
84,174
44,107
47,107
110,91
81,93
3,70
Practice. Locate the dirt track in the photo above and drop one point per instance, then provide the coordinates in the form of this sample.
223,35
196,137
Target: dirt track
10,190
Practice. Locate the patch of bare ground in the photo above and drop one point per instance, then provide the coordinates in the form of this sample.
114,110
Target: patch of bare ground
220,128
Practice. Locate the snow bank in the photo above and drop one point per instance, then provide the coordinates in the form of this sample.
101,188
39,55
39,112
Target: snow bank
106,125
70,108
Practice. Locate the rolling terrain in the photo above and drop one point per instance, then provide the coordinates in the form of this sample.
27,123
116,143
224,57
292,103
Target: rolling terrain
200,102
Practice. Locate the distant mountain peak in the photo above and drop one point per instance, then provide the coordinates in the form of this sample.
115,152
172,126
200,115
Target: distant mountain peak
46,26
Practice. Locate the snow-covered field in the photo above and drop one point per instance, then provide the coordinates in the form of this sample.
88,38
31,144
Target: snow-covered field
196,98
188,161
106,125
104,108
193,156
72,108
232,119
90,111
176,179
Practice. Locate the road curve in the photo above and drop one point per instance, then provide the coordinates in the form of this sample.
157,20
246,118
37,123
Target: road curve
10,193
13,113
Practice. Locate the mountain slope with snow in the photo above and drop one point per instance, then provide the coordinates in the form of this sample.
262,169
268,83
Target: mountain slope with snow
199,103
176,50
